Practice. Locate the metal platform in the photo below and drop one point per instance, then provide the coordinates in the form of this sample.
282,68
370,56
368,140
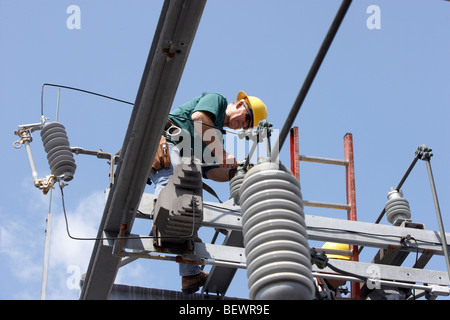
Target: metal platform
395,241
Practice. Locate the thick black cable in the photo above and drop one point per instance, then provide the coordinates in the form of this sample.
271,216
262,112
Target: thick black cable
400,184
365,279
346,273
313,71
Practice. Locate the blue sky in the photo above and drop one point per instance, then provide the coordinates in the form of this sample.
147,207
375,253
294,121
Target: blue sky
387,86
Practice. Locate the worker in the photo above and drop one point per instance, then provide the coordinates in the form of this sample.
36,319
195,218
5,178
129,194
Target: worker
203,118
329,285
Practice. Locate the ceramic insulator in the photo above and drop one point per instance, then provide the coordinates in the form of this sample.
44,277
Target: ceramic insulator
275,239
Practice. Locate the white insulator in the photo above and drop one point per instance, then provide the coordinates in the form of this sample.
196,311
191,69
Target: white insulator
275,239
397,207
235,186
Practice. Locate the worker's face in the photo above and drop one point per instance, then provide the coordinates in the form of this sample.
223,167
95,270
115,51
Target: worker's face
240,116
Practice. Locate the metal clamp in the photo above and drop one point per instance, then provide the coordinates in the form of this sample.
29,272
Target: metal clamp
24,132
423,152
173,132
45,184
320,259
25,135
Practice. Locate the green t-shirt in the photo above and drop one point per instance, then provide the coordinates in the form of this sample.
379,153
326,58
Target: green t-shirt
213,103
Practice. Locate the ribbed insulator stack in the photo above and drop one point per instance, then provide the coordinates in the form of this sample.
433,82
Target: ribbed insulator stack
397,207
275,239
235,186
178,210
57,146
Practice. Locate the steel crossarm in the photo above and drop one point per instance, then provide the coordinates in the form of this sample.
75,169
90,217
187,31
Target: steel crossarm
373,235
375,272
228,216
170,48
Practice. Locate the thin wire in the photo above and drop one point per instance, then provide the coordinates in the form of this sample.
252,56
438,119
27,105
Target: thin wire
67,223
118,100
126,238
221,208
61,187
417,258
205,124
374,235
358,232
76,89
231,210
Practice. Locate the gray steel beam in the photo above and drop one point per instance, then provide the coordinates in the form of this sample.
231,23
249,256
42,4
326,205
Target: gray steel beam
172,41
124,292
220,277
373,235
227,216
234,257
142,247
386,272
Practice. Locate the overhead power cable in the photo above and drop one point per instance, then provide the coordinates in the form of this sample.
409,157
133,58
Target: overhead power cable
310,76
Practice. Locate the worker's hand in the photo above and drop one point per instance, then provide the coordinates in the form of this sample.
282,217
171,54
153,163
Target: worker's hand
228,161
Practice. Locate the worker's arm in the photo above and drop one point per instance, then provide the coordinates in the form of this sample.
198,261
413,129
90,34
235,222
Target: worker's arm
220,174
225,159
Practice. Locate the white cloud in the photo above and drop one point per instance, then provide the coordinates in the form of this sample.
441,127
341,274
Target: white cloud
69,258
22,242
83,222
22,234
16,243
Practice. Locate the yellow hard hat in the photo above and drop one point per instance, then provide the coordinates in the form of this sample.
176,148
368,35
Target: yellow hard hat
336,246
258,109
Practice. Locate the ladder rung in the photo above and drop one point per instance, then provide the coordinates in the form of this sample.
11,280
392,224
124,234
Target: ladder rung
329,205
338,162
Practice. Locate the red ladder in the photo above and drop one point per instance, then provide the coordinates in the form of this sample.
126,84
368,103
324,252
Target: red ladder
348,162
